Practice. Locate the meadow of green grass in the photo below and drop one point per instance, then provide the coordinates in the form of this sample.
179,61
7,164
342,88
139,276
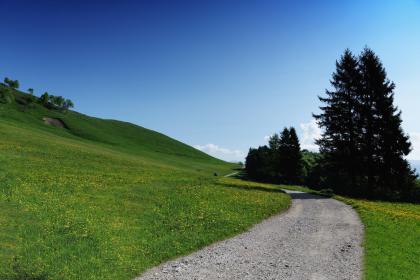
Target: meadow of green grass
103,199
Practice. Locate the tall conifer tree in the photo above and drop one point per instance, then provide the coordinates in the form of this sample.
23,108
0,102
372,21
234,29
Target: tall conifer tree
275,161
294,165
290,158
363,144
383,142
339,119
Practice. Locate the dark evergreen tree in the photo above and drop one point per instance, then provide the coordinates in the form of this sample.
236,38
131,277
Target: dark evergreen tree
280,162
283,157
275,161
290,157
251,163
363,145
295,166
257,164
340,121
383,142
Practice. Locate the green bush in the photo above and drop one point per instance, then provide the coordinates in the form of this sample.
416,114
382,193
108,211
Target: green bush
11,83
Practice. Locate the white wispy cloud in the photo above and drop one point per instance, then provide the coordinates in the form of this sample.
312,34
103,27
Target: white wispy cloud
221,153
267,137
310,132
415,142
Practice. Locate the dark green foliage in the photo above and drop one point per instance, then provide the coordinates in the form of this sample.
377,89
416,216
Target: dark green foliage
363,145
67,105
290,157
44,99
11,83
55,102
313,169
31,91
275,161
340,122
280,162
259,164
384,145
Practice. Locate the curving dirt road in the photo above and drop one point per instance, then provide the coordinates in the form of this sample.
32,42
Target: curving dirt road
317,238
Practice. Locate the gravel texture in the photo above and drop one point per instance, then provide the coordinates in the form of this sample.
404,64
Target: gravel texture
317,238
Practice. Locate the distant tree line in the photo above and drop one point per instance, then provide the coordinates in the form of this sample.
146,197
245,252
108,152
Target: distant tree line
362,147
279,162
7,95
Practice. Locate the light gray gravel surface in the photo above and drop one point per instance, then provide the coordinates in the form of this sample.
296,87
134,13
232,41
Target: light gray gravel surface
317,238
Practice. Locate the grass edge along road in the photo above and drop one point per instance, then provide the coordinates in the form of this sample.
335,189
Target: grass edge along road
392,237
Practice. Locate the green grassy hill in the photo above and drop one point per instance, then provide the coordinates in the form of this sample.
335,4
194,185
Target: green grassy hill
104,199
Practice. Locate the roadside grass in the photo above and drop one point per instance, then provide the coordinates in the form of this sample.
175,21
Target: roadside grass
74,207
249,185
392,238
297,188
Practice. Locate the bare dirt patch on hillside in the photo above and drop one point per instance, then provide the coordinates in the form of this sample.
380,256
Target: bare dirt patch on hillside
54,122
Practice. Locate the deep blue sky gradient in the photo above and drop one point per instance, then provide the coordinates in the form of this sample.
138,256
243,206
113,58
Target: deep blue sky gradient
221,72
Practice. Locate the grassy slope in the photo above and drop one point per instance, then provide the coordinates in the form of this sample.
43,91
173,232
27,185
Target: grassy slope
107,199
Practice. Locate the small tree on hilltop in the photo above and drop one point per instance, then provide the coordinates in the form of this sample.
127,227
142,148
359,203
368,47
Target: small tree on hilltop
67,105
11,83
57,101
31,91
44,99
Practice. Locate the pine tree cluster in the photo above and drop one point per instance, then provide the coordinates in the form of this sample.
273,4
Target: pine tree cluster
363,145
279,162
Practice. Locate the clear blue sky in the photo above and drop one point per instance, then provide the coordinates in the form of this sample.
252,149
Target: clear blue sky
225,73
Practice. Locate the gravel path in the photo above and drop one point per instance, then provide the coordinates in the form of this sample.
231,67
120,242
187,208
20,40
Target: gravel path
317,238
